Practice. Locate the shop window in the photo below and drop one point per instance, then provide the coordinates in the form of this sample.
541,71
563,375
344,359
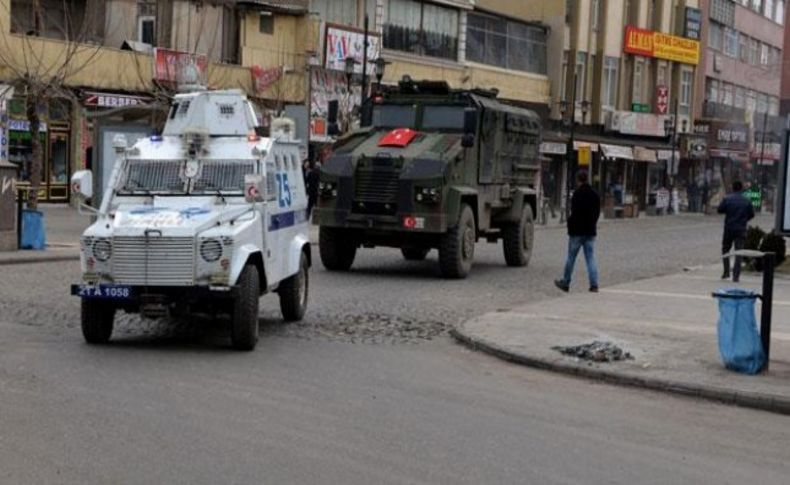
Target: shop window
507,44
422,28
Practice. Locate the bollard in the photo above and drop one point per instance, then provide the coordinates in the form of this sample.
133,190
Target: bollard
769,260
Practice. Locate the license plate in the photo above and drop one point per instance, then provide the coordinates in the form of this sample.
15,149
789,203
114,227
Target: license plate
104,292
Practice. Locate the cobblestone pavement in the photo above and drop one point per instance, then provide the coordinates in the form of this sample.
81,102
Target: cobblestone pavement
385,299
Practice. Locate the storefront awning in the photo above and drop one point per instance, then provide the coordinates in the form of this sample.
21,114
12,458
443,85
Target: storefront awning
593,146
553,148
617,151
667,155
642,154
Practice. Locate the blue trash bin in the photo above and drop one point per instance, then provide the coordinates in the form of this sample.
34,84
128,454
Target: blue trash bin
740,346
33,232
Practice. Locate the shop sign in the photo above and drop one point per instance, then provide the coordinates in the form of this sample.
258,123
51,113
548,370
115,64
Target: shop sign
633,123
551,148
640,107
617,151
755,196
769,153
723,134
169,65
24,125
343,42
263,79
111,100
692,26
577,145
648,43
662,99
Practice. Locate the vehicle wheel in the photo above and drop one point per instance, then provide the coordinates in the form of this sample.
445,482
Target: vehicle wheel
415,254
337,249
97,321
517,239
244,322
457,249
293,293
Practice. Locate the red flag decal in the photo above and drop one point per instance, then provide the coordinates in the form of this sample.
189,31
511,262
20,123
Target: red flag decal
400,137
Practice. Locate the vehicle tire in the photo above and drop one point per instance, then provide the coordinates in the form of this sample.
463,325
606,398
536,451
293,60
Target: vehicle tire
97,321
294,292
337,248
244,320
457,247
412,253
518,238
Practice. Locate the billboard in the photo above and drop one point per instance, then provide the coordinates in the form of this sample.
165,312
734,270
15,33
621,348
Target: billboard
649,43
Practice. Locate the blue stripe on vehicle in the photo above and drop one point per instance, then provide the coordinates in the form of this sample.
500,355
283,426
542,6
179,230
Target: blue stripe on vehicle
287,219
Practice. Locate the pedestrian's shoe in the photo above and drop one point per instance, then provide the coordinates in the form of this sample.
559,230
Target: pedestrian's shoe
561,285
593,289
735,280
725,276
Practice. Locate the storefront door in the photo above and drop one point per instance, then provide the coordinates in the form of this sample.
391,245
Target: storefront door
58,167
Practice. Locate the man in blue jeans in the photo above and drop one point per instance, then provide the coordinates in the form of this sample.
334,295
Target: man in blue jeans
582,222
739,211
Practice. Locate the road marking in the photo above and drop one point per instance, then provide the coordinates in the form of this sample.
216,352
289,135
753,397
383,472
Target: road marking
672,295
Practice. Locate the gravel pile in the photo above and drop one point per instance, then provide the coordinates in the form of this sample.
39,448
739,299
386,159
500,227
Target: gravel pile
596,352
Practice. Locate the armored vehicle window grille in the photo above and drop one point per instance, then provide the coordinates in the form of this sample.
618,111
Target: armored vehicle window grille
226,109
154,176
183,108
223,175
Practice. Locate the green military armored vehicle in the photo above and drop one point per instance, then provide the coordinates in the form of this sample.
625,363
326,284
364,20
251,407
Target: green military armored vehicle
437,169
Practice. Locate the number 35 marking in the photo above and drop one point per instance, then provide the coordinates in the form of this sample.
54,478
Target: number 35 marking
284,190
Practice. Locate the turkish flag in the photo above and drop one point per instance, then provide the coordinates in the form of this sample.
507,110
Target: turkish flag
399,138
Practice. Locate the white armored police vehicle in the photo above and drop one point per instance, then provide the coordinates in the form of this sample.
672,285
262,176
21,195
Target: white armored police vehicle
206,218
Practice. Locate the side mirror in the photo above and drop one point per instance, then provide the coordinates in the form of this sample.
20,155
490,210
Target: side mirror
470,127
254,187
82,184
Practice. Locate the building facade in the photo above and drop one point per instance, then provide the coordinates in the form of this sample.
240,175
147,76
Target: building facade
737,125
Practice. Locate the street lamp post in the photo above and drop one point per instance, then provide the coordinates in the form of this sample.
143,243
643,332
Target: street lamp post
380,65
570,109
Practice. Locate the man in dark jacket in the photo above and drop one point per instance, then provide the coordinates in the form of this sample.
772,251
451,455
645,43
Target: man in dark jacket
739,211
585,210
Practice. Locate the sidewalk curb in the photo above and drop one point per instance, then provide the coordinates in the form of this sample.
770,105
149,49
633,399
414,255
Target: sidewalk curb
39,259
762,402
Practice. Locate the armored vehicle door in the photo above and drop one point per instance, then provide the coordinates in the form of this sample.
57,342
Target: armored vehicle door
489,138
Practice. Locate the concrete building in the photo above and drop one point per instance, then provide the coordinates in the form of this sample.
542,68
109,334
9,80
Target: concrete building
737,127
628,69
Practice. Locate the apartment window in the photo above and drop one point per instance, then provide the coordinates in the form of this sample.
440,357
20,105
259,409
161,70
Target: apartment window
336,11
564,76
726,94
754,51
686,82
712,90
740,98
595,14
762,103
751,101
266,23
639,80
730,42
146,23
610,82
779,14
743,48
764,54
508,44
723,11
757,5
773,106
769,9
579,74
715,36
568,10
422,28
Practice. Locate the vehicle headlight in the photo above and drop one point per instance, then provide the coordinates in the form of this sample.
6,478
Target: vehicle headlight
426,194
327,189
211,250
102,250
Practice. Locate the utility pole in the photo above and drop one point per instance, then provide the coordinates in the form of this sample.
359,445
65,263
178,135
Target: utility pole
571,153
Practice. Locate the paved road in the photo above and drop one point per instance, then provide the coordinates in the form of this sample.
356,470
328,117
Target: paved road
367,390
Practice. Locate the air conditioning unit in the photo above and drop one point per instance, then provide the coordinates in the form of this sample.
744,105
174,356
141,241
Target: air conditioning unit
717,63
612,121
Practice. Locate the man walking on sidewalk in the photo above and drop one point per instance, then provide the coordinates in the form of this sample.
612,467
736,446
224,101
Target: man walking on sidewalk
739,211
585,210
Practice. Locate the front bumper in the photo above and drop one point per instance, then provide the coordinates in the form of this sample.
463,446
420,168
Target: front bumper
419,223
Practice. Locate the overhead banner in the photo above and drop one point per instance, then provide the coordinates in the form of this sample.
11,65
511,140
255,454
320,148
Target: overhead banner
341,42
263,79
648,43
170,65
